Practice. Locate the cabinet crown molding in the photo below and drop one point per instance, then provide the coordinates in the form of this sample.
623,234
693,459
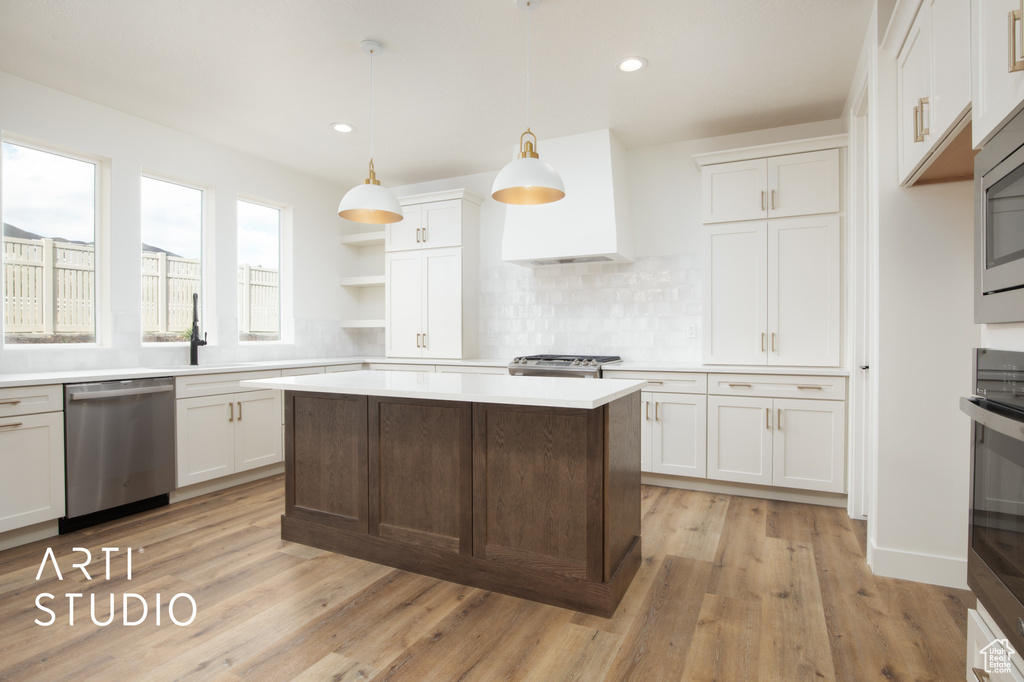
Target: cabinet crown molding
812,144
463,194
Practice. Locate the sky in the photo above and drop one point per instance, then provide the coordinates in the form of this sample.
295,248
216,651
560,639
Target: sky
54,196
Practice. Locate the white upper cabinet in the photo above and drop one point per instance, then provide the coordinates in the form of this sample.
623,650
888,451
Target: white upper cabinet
431,225
775,187
997,47
933,91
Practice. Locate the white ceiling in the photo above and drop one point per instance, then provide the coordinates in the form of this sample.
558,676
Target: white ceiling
268,76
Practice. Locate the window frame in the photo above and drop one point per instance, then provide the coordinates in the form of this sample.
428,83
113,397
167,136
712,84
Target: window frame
285,328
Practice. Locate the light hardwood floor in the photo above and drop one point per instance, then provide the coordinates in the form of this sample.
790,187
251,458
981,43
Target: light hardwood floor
731,588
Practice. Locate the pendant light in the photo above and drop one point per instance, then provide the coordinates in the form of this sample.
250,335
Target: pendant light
527,180
369,202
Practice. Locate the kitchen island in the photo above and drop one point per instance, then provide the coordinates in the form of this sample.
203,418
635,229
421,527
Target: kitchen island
529,486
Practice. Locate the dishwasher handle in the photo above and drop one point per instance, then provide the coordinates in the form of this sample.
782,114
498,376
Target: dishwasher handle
121,392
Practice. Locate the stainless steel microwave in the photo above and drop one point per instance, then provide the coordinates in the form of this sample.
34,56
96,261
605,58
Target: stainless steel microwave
999,226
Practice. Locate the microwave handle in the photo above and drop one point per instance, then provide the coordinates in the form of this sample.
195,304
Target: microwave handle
996,422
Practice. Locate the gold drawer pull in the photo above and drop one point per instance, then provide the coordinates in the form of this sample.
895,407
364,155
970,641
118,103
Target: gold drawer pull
980,674
656,411
1015,18
12,425
10,402
647,406
731,385
231,412
773,200
652,381
768,418
810,388
239,411
778,422
762,200
918,137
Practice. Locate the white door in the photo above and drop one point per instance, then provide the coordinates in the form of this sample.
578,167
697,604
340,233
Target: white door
257,429
403,301
647,431
680,435
32,462
951,52
407,234
734,191
810,445
913,86
803,291
735,294
442,295
442,224
996,90
740,439
206,438
803,184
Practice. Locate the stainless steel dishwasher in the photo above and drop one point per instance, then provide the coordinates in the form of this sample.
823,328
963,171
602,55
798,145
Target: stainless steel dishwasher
119,448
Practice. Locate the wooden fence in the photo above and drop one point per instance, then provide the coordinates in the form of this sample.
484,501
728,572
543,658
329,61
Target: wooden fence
49,288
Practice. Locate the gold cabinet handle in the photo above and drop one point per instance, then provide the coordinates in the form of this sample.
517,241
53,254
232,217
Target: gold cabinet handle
647,408
732,385
778,422
762,342
239,411
980,674
424,339
922,103
417,235
12,425
809,388
652,381
918,137
773,342
418,341
768,418
762,200
10,402
231,412
424,235
1016,18
773,200
656,405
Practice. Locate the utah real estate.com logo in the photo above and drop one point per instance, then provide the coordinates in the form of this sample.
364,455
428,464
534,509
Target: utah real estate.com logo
996,657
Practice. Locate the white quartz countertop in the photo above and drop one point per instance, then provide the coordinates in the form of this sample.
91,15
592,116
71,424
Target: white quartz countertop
476,388
727,369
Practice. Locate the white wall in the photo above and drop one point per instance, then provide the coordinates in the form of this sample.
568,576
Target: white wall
313,257
638,310
925,336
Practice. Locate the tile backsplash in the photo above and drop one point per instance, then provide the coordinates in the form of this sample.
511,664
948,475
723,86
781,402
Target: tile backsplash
639,310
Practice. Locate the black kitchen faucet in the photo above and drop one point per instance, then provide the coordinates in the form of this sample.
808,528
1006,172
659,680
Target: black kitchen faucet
195,341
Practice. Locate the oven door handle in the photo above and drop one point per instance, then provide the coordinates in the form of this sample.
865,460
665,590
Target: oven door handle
988,419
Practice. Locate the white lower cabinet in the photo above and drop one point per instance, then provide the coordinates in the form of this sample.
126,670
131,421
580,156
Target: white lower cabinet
32,461
986,650
780,442
223,434
673,434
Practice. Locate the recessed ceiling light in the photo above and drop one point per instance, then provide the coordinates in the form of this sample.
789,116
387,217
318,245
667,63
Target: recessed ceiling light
342,127
631,64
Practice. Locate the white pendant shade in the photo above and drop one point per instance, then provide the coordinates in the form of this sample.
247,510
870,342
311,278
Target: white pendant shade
528,181
370,203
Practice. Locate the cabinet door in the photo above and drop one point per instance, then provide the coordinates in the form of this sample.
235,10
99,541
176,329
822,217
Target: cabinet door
803,291
206,438
680,435
403,299
809,444
997,91
257,429
740,439
951,55
734,191
647,431
803,184
406,235
32,462
442,224
442,294
735,294
913,86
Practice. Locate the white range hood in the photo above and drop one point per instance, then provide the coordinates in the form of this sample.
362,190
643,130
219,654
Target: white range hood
592,223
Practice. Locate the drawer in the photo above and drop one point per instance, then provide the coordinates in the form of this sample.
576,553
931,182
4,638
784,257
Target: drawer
31,400
400,367
778,386
664,382
981,642
301,371
472,369
352,367
198,385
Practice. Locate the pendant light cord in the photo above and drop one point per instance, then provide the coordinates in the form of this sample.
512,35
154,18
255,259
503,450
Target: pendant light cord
371,106
528,6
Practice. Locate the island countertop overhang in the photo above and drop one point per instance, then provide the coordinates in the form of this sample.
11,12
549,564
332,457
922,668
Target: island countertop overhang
574,393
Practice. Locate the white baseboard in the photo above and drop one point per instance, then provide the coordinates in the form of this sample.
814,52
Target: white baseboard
197,489
922,568
23,536
745,490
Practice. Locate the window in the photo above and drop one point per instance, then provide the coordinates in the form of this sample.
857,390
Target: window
259,272
172,246
49,246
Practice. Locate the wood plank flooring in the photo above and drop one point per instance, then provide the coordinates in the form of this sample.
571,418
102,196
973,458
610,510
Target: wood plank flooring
730,588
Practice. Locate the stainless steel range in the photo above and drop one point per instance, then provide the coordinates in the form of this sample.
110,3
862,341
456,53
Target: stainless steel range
588,366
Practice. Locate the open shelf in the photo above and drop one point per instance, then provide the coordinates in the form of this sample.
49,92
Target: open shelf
362,324
364,238
363,281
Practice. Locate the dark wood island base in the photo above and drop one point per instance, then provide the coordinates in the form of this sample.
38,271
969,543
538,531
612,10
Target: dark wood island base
541,503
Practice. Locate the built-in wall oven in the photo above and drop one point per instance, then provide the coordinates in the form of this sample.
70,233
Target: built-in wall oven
999,226
995,560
